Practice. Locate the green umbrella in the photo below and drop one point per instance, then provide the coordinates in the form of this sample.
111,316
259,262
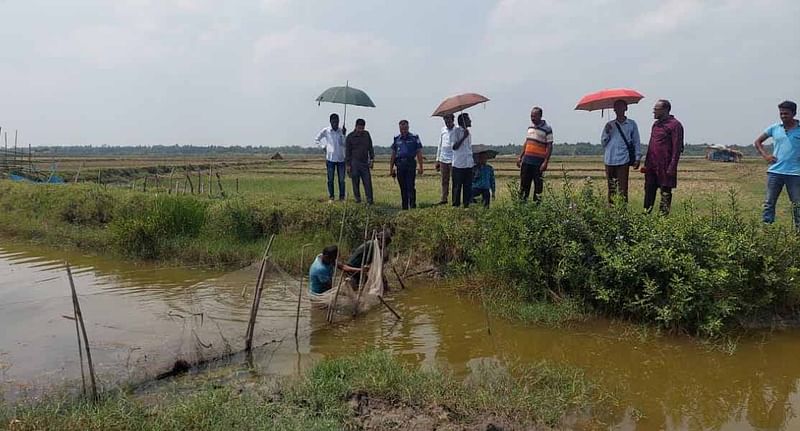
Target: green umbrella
346,95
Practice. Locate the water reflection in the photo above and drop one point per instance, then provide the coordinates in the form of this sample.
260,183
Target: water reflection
140,318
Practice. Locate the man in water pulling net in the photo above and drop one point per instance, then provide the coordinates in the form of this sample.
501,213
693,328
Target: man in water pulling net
349,289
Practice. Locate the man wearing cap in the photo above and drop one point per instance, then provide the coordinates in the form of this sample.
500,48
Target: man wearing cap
406,147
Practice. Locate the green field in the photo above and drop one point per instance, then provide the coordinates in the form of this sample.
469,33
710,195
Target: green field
700,181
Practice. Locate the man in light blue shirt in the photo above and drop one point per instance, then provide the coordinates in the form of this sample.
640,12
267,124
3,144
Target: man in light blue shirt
622,150
784,162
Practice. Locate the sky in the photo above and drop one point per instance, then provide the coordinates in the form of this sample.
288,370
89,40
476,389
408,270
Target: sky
246,72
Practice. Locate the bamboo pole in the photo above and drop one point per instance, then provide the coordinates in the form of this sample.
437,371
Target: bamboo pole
219,184
237,186
361,274
399,279
257,298
144,184
300,292
80,349
77,308
191,186
389,308
77,174
332,307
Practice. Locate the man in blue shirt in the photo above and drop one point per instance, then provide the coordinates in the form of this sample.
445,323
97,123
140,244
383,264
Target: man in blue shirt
320,274
405,148
622,150
784,162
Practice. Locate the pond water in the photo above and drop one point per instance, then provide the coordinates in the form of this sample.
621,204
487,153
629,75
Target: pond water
141,318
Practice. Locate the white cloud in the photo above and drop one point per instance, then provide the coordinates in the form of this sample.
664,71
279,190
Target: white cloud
306,53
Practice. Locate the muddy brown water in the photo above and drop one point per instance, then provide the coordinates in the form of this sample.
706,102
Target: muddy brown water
141,318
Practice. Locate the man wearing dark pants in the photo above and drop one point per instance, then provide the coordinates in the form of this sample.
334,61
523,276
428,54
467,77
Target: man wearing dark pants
663,154
444,155
462,162
535,155
332,138
359,155
405,148
784,162
622,150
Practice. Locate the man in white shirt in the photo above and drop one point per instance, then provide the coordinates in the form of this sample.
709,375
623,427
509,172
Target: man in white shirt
332,138
462,162
444,155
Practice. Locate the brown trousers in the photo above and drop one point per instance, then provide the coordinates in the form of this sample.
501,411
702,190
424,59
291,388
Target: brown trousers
445,169
617,177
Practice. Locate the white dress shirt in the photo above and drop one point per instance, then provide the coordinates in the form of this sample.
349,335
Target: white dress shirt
462,157
333,140
446,141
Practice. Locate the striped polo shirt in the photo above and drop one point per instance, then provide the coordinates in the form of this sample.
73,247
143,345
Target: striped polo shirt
536,141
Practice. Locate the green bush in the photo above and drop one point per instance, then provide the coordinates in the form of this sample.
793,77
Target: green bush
146,226
701,274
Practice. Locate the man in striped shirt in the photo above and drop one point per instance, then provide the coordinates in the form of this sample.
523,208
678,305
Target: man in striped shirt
535,155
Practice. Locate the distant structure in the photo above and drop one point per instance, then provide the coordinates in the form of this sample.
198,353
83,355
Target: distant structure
718,153
276,156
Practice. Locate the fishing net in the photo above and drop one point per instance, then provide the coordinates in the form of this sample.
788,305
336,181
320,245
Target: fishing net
348,297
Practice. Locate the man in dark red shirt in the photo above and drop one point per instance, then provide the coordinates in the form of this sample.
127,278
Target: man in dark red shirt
663,153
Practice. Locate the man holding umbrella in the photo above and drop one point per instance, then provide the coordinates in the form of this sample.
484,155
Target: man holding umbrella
405,148
332,138
621,150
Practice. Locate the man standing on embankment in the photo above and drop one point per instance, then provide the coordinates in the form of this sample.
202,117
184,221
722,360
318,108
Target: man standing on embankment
663,154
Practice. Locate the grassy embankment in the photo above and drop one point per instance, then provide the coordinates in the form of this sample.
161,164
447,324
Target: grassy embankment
369,390
709,268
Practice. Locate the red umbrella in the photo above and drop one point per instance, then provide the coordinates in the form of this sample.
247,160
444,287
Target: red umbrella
605,99
454,104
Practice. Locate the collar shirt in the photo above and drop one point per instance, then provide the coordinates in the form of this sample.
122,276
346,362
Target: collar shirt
406,147
615,149
664,151
446,141
333,141
786,148
462,157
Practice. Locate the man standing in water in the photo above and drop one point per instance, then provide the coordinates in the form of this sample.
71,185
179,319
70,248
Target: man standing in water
535,155
320,274
359,155
663,153
332,138
444,155
463,162
784,162
405,148
622,150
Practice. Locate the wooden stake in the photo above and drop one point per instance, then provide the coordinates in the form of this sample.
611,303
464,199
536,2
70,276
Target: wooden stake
219,184
300,292
332,307
77,309
237,186
257,298
78,174
191,186
390,308
199,183
399,279
144,184
361,274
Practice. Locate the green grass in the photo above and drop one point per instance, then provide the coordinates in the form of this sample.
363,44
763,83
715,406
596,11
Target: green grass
542,394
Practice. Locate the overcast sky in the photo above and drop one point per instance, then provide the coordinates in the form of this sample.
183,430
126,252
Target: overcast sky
147,72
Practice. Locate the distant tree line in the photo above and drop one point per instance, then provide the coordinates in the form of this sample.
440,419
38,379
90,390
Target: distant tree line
562,149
